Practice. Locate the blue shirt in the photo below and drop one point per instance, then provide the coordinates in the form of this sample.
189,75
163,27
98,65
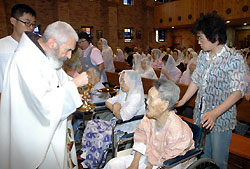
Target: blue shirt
215,82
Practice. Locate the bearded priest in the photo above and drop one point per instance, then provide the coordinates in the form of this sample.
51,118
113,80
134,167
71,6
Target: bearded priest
37,99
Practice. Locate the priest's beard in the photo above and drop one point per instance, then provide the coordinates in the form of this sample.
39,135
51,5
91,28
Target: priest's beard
54,60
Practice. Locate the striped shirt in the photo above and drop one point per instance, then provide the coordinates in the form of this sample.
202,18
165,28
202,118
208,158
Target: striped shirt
215,82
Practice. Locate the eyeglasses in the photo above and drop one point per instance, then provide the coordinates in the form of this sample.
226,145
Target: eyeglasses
80,41
27,23
201,39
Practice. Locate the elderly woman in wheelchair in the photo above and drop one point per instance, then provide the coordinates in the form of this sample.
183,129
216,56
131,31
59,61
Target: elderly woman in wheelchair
125,105
161,134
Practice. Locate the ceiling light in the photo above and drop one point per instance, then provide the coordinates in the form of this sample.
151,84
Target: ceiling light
172,27
245,24
227,21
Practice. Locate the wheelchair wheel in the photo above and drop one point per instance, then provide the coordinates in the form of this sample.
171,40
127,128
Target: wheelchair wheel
203,163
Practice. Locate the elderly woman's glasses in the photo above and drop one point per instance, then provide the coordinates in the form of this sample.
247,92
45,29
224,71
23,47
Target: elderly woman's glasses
27,23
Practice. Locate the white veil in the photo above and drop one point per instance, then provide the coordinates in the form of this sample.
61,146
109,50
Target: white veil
186,77
171,68
107,55
120,55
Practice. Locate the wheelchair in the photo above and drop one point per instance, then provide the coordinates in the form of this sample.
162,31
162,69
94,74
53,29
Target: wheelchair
199,135
117,139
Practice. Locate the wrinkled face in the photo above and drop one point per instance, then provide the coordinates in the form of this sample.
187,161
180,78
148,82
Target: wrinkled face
83,44
99,45
143,64
60,53
93,79
65,49
19,26
124,86
205,44
175,55
192,67
156,106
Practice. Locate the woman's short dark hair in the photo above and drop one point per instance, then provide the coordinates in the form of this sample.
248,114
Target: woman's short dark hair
18,10
84,35
213,26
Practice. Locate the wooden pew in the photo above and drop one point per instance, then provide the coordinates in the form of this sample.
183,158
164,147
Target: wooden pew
183,89
121,66
243,110
158,72
113,78
147,84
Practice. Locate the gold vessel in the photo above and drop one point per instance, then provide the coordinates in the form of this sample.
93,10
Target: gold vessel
86,106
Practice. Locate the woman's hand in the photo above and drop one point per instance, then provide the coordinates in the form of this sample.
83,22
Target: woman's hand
208,119
149,167
116,107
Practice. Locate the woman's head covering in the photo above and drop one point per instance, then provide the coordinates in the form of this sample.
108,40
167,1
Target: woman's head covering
156,62
180,57
157,53
185,79
137,62
171,68
107,55
190,50
149,72
133,81
104,43
194,54
120,56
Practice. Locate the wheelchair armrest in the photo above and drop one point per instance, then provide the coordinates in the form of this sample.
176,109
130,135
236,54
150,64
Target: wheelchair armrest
100,104
179,159
127,136
138,117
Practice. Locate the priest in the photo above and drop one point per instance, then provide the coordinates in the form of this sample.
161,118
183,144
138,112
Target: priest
37,100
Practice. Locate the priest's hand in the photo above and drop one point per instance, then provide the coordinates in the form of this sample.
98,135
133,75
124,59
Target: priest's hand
81,79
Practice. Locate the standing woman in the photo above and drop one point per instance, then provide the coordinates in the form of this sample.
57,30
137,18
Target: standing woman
107,55
219,80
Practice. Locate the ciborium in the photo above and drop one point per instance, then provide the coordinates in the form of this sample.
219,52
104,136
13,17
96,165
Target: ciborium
86,106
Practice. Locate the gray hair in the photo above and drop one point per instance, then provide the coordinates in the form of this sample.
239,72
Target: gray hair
95,71
167,90
60,31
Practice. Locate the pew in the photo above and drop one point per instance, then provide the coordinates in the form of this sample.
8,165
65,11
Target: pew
113,78
147,84
183,89
121,66
158,72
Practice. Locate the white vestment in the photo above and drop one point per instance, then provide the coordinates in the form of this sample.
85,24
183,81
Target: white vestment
35,103
8,46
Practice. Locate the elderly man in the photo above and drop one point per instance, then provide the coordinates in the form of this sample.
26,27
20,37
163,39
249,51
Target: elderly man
38,97
23,18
